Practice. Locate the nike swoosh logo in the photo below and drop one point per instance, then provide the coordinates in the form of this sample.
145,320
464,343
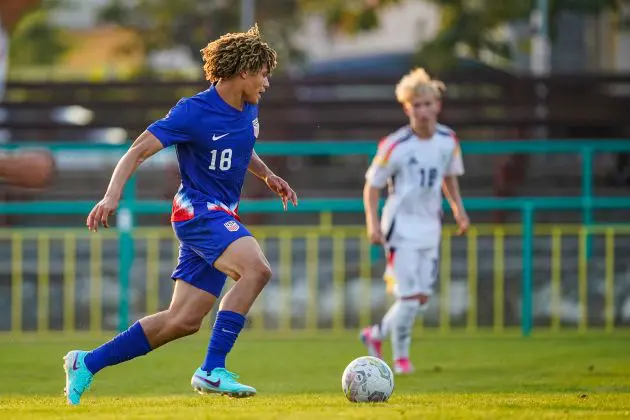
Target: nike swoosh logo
215,384
74,365
215,137
228,331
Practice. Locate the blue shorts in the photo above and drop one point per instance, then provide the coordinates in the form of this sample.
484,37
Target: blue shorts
202,240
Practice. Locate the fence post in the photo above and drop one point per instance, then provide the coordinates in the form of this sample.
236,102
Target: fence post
528,263
587,194
125,225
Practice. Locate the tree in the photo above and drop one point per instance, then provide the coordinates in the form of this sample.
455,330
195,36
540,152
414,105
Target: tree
34,40
469,25
12,11
162,24
472,27
349,16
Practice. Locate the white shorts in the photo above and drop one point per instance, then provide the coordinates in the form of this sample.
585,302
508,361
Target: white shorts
411,271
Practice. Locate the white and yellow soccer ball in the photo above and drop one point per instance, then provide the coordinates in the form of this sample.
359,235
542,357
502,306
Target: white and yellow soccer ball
367,379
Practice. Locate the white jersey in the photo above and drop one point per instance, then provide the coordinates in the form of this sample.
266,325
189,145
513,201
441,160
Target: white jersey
414,169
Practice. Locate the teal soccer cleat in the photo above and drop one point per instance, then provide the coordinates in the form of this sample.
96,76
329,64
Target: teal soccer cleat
220,381
78,377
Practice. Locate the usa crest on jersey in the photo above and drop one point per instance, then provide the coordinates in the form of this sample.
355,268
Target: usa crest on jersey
232,226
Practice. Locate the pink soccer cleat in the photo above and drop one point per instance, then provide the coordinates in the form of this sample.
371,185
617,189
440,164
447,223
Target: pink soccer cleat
374,346
403,367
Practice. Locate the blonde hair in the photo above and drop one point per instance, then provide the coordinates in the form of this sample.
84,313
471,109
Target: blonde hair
418,82
235,53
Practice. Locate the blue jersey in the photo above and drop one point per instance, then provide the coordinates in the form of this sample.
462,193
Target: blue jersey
214,143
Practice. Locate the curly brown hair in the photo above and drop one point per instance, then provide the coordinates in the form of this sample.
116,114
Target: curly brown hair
234,53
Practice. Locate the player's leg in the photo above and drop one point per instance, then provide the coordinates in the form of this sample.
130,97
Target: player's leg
372,336
397,268
403,321
189,305
244,261
416,271
401,276
184,316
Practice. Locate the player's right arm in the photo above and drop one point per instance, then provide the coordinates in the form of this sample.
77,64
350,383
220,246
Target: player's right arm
145,146
370,203
174,128
380,170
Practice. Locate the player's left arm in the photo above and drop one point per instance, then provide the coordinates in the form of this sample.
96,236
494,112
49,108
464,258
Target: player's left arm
273,181
450,187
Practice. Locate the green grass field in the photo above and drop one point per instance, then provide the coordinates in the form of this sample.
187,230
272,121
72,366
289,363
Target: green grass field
467,377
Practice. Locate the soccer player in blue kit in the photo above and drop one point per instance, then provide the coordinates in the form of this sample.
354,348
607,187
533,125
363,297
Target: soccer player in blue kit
214,134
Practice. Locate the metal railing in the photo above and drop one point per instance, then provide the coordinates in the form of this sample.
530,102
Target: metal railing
528,206
324,278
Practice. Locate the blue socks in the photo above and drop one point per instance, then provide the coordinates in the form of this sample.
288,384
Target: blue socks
125,346
133,343
224,334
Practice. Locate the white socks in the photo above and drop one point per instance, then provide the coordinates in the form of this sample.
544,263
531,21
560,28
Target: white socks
382,330
398,322
403,322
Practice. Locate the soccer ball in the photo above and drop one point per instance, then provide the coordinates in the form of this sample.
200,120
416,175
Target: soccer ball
367,379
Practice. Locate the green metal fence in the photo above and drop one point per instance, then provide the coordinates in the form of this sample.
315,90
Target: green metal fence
528,206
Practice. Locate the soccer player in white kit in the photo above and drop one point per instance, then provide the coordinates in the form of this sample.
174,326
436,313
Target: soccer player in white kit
417,162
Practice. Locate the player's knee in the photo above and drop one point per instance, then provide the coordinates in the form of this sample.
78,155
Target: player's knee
263,271
182,326
187,327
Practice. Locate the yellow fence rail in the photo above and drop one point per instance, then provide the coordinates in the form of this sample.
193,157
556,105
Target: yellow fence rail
324,278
